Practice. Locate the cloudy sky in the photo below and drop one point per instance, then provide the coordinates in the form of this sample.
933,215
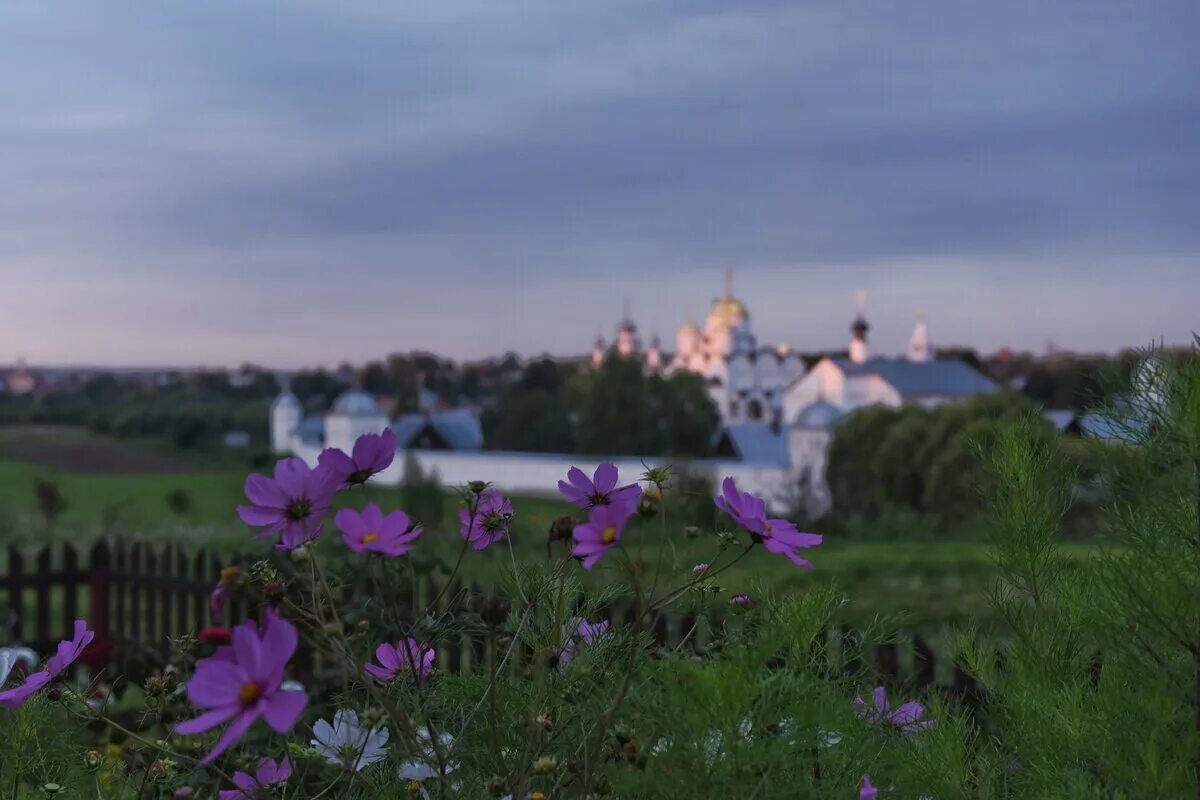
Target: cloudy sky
304,182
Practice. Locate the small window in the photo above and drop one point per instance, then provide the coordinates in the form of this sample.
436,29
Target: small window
755,409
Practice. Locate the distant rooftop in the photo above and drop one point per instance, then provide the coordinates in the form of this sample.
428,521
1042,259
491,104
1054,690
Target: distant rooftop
916,378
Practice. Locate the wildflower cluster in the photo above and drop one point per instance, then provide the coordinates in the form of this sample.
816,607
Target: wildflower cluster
555,722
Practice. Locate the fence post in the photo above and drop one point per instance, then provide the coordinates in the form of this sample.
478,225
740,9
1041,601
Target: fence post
70,587
16,586
924,658
42,581
134,580
98,590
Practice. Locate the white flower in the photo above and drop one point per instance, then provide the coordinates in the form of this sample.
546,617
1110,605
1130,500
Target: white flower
11,656
347,743
830,738
294,686
424,768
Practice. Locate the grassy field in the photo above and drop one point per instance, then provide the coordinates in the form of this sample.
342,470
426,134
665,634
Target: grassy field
121,489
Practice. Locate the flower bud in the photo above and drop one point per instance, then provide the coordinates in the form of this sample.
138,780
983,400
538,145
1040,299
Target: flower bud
51,789
545,765
497,786
659,476
494,610
647,505
477,487
92,759
546,723
274,592
562,528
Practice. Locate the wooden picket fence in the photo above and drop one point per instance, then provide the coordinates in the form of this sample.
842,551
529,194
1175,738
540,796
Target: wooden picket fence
145,594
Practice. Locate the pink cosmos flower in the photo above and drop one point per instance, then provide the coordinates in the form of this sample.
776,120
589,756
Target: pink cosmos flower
700,569
739,599
370,530
775,535
601,490
489,524
600,533
408,657
580,631
372,454
68,651
867,791
242,682
267,774
292,503
906,718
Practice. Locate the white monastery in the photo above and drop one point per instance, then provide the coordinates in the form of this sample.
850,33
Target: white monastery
778,417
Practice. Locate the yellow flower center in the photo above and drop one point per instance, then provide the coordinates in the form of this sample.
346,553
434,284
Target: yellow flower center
609,536
249,694
370,537
537,796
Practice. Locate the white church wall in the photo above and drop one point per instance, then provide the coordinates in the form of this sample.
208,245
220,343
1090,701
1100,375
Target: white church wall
538,474
803,393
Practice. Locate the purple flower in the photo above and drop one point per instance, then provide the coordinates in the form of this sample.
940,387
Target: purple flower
600,533
267,774
700,569
489,524
601,490
370,530
183,792
68,651
747,510
775,535
579,631
291,504
867,791
906,718
242,682
373,453
739,599
408,657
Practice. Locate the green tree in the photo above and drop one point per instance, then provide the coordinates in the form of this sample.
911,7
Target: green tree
621,410
1100,691
851,470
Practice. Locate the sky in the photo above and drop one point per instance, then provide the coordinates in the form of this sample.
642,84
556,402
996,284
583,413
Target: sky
302,183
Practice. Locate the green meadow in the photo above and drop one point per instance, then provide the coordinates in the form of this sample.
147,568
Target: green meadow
928,582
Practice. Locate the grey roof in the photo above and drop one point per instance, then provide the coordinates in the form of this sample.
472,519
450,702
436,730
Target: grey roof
1060,419
355,403
756,442
818,414
459,427
1123,420
922,378
312,429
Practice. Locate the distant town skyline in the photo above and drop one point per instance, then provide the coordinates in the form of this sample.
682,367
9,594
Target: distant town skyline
203,184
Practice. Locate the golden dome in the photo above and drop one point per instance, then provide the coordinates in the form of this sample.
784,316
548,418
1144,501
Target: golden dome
728,311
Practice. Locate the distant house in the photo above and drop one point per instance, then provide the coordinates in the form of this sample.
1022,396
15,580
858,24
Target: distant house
816,403
355,412
452,429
